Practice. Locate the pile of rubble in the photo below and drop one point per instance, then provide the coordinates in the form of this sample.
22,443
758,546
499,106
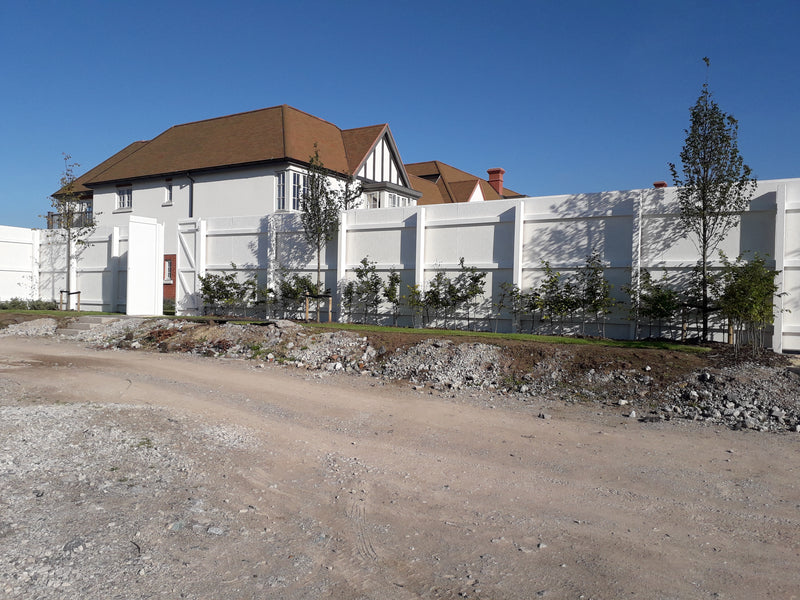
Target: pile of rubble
744,395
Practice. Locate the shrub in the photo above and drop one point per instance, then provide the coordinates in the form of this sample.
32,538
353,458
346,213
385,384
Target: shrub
226,291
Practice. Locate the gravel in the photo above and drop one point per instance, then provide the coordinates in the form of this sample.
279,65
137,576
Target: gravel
90,469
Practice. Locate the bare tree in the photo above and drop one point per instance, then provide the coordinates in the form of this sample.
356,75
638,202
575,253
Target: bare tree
72,218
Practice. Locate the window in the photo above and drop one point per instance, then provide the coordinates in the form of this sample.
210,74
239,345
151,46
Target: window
374,200
392,200
281,190
168,267
299,189
86,207
124,198
168,194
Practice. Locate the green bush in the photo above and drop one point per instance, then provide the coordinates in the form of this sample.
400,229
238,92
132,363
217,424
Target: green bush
226,291
22,304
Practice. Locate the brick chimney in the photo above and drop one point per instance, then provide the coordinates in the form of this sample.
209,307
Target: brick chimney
496,179
659,184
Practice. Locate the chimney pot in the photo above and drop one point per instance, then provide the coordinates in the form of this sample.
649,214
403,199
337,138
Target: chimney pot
496,179
659,184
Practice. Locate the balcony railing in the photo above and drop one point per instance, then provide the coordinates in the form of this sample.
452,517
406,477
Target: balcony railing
79,219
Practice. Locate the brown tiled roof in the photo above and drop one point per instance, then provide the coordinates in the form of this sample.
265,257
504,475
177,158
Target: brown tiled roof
462,190
430,192
276,133
358,142
452,182
80,188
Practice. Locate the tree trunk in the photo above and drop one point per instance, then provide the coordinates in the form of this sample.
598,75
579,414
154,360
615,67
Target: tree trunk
69,268
319,276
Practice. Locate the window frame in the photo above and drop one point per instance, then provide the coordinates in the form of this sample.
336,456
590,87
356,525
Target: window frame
280,190
125,198
299,189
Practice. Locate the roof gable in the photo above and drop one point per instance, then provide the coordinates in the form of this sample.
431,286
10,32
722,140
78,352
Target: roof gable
430,192
382,163
359,142
453,182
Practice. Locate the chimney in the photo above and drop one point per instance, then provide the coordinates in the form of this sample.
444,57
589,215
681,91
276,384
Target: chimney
496,179
659,184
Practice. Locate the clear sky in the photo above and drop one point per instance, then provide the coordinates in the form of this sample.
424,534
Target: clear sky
567,97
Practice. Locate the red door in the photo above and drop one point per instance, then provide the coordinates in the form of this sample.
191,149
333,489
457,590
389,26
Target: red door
169,276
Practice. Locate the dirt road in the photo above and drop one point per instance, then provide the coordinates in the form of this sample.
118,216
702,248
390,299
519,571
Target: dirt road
140,475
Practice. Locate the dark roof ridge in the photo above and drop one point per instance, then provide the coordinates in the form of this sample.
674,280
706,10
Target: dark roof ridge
118,157
367,127
444,181
283,107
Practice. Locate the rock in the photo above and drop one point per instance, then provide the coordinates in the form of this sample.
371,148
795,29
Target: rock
75,545
543,415
215,531
632,414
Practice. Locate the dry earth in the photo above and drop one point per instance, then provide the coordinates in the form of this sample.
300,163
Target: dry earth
143,475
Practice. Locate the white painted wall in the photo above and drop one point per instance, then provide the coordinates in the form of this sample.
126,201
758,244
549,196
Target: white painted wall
249,191
19,250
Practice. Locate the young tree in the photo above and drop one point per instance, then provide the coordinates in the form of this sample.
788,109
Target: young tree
469,285
416,303
714,185
510,299
594,292
72,218
747,298
368,287
391,292
319,211
659,302
350,194
320,207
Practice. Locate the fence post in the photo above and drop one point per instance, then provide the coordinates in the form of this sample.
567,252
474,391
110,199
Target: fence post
271,251
36,292
419,267
780,265
636,257
341,265
519,246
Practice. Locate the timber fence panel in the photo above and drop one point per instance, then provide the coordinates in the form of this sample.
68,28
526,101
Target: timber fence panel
18,263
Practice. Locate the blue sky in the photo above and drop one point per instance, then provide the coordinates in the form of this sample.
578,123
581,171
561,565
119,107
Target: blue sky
566,96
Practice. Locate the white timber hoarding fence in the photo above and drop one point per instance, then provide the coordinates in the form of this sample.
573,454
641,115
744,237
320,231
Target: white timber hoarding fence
509,240
33,266
19,263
